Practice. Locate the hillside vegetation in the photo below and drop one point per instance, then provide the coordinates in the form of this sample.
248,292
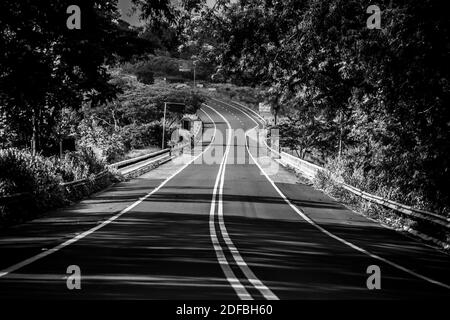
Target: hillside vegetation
372,104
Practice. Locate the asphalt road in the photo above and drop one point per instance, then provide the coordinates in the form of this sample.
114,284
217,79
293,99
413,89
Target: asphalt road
216,228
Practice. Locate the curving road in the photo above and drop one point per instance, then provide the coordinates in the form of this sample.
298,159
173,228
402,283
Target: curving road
220,223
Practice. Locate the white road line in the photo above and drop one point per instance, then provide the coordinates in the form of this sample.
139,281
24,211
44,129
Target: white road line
351,245
263,121
229,274
264,290
41,255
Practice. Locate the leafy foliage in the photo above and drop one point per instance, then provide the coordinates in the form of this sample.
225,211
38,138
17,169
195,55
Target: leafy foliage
45,67
106,145
40,178
168,67
376,99
22,172
134,119
78,165
145,76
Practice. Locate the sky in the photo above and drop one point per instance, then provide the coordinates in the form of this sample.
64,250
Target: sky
125,6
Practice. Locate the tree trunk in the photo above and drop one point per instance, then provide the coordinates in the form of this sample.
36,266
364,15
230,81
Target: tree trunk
34,135
35,139
340,136
116,126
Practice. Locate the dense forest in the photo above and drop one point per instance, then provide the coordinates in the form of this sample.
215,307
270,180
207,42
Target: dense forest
48,69
373,104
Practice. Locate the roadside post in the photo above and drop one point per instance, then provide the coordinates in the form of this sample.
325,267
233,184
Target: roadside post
175,107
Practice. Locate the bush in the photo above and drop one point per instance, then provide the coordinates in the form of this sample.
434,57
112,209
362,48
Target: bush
145,77
344,170
20,172
246,95
106,146
40,179
78,165
140,136
165,66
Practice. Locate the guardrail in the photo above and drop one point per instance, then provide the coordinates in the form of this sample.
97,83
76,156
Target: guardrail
143,166
76,190
166,155
310,170
180,145
120,165
128,162
85,180
407,210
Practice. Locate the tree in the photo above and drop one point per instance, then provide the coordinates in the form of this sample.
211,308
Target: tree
45,67
377,99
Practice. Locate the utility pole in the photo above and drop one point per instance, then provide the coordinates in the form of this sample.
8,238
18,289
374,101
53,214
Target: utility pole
35,136
340,136
194,63
164,126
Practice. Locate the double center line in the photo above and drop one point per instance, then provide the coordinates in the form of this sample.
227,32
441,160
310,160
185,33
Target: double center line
305,217
217,202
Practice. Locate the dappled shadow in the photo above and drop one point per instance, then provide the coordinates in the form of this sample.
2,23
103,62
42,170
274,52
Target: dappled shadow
299,262
151,254
143,255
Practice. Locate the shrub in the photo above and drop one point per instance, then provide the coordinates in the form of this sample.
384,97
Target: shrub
78,165
106,146
40,178
140,136
166,66
120,82
145,77
345,170
246,95
21,172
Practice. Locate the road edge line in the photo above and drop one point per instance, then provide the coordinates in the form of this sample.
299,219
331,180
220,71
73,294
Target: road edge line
312,222
82,235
